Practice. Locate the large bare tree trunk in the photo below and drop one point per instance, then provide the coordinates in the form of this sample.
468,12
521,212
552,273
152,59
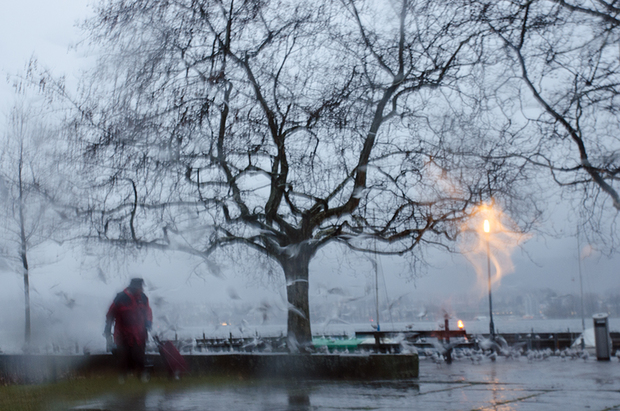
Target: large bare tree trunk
299,335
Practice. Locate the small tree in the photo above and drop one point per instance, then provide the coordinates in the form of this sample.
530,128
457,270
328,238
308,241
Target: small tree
27,217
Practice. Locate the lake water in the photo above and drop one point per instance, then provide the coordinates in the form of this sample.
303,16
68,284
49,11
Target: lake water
89,336
502,325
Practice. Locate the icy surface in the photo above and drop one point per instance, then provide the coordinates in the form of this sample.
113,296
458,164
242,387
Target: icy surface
504,384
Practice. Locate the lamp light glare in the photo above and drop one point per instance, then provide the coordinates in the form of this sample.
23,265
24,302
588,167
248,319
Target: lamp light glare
487,226
460,324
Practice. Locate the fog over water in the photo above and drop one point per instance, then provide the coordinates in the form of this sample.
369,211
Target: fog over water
70,298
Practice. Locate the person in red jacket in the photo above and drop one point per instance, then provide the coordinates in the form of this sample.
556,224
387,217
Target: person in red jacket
132,318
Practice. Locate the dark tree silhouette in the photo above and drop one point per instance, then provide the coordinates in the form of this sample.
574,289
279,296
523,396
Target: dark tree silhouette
282,126
557,82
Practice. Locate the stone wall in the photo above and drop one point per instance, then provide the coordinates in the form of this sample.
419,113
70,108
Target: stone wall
17,369
315,366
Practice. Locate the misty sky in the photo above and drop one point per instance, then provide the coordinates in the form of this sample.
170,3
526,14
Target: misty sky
45,29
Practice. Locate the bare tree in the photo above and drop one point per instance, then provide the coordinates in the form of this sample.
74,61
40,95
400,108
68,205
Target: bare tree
282,127
27,216
559,84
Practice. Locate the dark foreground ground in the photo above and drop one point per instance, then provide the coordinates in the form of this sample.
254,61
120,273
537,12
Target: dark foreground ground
506,384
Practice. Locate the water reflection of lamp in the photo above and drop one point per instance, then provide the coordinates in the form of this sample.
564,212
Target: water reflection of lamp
487,230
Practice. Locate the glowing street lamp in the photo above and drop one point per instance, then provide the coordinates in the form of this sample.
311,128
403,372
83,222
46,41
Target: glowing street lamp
487,230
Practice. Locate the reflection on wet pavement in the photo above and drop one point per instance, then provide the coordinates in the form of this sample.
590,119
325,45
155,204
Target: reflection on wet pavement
503,385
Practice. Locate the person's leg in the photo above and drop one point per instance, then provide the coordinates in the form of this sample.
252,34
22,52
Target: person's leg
139,361
122,354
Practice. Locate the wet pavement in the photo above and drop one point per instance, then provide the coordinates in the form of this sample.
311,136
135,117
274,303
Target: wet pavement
506,384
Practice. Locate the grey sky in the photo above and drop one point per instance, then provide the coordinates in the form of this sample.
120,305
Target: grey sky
44,29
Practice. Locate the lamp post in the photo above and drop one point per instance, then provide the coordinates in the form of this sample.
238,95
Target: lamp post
487,230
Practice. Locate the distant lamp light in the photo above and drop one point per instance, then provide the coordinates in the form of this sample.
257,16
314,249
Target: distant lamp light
460,324
487,226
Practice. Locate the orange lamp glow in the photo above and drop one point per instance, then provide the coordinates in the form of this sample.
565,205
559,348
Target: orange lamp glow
460,324
487,226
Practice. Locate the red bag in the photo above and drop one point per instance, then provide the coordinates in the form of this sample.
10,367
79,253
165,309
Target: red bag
175,363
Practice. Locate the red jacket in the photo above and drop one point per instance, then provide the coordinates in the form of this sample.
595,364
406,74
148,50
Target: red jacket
132,318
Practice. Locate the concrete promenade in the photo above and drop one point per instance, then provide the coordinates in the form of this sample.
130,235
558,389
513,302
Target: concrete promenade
519,384
505,385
